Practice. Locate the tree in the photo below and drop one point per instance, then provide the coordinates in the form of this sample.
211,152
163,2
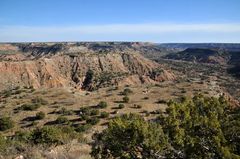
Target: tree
89,78
200,127
130,136
194,127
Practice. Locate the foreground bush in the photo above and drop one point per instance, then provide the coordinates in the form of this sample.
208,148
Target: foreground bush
48,135
6,123
201,127
194,127
130,136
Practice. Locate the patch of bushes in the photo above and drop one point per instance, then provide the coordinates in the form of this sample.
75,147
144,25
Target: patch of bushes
94,112
85,111
84,117
52,135
64,111
104,115
83,128
93,121
129,136
30,107
200,127
6,123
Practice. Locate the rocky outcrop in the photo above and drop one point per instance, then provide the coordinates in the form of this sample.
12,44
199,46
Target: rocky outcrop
65,65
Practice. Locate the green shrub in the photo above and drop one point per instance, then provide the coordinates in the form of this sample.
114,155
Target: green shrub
127,91
121,106
126,99
85,111
40,115
30,107
84,117
46,135
23,136
130,136
6,123
102,104
196,127
64,111
94,112
83,128
104,115
93,121
61,120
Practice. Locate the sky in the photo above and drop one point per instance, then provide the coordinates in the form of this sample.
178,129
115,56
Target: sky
160,21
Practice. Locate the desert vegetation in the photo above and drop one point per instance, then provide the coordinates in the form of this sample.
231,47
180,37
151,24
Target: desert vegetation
201,127
122,106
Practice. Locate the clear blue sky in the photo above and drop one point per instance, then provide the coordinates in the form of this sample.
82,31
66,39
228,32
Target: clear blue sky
120,20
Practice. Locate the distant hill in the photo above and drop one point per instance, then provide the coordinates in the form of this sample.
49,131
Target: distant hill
183,46
202,55
231,59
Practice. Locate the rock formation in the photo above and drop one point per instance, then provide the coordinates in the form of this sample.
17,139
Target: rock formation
67,64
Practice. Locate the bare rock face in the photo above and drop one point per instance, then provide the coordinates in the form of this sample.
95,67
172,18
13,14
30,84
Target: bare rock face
76,65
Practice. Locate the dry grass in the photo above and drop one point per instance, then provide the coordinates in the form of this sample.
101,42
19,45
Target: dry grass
73,100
